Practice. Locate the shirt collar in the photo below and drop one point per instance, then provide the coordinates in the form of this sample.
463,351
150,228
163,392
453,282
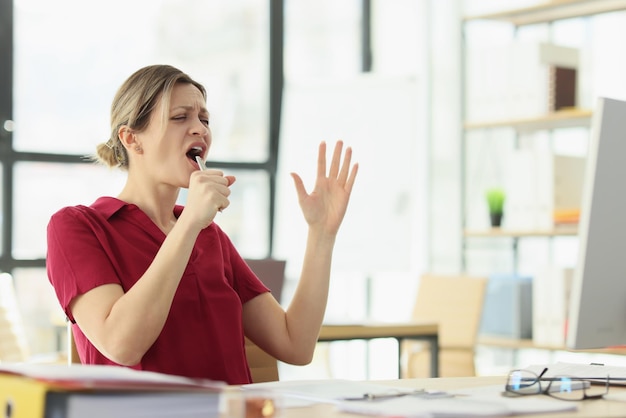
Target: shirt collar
109,206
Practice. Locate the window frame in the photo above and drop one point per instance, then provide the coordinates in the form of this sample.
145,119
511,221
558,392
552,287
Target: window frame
9,156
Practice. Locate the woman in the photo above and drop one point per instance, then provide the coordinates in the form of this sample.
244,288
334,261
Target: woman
155,286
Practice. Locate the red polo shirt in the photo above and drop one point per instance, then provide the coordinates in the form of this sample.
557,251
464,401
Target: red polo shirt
115,242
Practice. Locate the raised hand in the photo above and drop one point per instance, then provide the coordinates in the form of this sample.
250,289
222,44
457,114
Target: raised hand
326,205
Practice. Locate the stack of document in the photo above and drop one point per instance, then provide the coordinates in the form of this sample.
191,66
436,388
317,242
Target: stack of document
593,371
377,399
54,390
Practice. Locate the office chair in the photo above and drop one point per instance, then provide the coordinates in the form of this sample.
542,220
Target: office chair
456,303
264,367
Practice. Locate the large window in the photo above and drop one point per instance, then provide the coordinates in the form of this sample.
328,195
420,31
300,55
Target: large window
333,91
69,57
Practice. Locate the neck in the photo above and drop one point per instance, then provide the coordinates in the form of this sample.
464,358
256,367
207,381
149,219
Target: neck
158,203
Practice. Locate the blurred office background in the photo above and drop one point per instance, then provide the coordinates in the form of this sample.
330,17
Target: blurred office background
385,76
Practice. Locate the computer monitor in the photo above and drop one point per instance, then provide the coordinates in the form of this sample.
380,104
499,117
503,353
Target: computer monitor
597,315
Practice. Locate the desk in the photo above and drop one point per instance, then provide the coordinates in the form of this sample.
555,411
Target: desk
587,409
428,331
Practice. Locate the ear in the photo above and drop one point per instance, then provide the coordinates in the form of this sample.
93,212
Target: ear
128,138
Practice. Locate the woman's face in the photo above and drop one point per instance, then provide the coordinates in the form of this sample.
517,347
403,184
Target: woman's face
169,149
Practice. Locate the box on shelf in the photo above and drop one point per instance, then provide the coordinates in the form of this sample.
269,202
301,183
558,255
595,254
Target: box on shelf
551,291
544,190
507,310
520,79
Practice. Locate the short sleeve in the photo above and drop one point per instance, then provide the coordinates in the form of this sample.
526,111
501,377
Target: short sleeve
77,261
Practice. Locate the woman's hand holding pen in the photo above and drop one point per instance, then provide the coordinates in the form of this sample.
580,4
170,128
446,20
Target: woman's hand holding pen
208,194
326,205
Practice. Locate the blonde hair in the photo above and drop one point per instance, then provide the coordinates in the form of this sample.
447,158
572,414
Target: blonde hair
133,105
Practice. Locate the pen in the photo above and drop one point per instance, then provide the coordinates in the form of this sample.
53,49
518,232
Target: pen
201,165
382,395
420,393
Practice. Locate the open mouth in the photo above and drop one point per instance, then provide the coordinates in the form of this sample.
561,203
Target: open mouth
194,152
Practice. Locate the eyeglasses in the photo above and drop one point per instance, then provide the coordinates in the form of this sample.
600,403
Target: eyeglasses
567,388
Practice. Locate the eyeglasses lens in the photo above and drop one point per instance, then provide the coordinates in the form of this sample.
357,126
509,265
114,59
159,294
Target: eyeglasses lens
572,389
566,388
523,382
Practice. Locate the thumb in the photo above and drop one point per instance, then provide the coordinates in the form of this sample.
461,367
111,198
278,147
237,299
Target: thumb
231,180
297,181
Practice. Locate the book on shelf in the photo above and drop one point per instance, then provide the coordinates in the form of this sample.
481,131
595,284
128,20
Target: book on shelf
60,391
551,292
520,79
562,88
544,190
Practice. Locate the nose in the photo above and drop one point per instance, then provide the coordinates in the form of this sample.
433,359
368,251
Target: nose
200,129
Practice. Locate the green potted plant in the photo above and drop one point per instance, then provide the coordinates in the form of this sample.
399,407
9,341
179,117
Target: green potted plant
495,202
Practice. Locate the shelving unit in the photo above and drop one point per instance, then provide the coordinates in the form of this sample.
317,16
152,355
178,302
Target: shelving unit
567,118
542,13
556,120
549,122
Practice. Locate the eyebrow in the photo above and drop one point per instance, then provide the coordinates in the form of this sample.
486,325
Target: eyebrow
187,108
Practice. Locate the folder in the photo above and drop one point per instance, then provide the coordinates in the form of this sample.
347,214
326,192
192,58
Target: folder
57,391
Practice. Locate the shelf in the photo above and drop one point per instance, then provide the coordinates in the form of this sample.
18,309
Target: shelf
560,119
512,233
553,10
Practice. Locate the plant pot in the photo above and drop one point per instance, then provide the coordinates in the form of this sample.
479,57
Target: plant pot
496,219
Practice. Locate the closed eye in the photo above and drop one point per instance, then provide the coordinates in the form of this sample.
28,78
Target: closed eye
205,121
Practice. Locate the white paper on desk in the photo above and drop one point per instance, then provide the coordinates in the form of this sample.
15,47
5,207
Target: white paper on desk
407,407
324,390
470,406
516,405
